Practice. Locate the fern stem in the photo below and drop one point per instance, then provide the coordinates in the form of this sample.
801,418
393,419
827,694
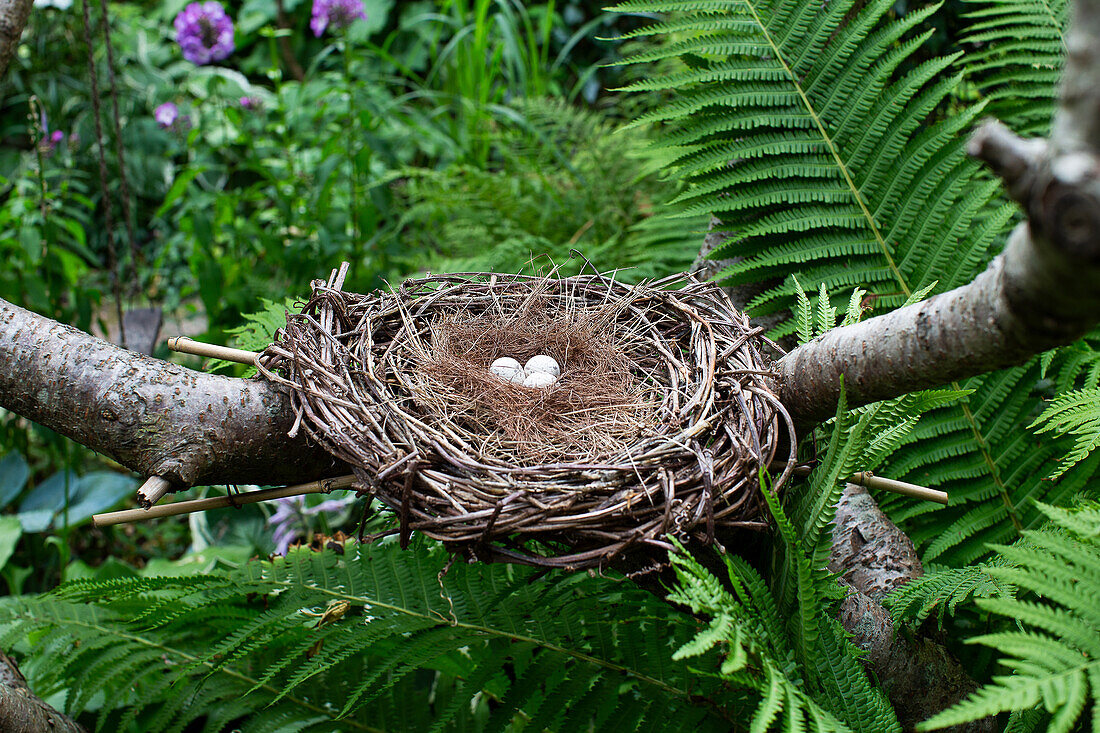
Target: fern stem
983,447
994,472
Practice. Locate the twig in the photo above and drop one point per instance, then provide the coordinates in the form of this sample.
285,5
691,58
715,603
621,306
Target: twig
323,486
153,490
185,345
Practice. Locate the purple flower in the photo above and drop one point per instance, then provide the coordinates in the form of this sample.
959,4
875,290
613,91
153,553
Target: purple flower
250,103
335,13
291,518
166,114
204,32
50,140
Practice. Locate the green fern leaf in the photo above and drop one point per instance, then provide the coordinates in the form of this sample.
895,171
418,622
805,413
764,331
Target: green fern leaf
1055,656
369,632
1077,414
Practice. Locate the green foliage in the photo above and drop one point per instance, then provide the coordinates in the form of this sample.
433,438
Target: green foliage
1075,413
808,325
1053,653
45,216
1016,59
793,125
781,638
812,682
233,203
566,179
257,332
942,590
375,638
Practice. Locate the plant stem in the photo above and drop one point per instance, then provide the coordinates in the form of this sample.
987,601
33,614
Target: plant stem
352,128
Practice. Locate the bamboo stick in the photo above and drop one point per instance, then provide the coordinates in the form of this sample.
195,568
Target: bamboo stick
866,478
323,486
186,345
871,481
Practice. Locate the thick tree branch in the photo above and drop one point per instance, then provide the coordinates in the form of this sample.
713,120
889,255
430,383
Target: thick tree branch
920,676
21,711
1033,297
151,416
13,19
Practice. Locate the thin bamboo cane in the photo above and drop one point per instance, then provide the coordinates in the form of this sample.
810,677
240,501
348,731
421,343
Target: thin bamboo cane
323,486
871,481
186,345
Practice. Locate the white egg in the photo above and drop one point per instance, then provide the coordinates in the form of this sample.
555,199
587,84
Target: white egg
539,379
544,364
508,369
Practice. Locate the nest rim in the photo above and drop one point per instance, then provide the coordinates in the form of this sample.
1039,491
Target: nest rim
345,360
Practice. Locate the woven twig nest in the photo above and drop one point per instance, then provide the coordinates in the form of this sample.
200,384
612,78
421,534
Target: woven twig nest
660,425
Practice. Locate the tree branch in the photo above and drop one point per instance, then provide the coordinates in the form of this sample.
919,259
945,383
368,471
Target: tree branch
1033,297
13,19
21,711
153,417
920,676
1042,291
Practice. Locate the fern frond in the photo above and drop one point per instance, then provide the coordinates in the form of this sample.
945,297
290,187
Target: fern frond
1016,61
941,591
369,632
805,674
1075,413
258,331
791,124
1054,657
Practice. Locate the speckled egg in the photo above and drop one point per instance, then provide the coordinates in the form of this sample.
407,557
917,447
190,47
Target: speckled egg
539,379
544,364
508,369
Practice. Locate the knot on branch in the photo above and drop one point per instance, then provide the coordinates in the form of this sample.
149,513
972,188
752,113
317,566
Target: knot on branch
1014,159
1066,211
1060,193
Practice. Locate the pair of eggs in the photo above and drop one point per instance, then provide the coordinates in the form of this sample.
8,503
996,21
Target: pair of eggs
539,371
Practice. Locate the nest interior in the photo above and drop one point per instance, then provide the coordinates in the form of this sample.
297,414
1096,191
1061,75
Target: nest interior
660,426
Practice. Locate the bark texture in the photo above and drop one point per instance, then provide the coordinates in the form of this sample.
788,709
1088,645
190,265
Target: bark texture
21,711
920,676
153,417
1034,296
13,19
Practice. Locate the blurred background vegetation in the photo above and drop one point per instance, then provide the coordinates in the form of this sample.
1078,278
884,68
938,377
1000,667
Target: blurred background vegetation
429,137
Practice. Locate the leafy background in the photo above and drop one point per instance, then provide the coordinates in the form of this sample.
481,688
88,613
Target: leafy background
827,139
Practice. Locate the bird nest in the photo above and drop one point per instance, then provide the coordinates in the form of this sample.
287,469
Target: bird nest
661,425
